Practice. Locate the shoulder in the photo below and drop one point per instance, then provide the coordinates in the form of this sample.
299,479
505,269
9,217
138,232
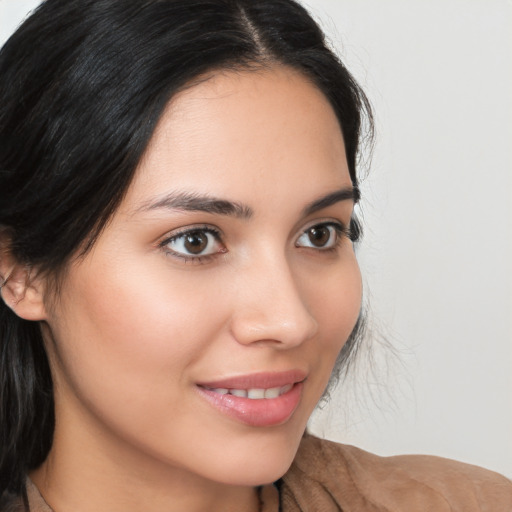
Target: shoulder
330,476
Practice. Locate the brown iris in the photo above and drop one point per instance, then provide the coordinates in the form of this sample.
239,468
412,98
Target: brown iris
196,242
319,236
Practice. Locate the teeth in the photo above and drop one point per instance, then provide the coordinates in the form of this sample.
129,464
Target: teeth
255,393
238,392
272,392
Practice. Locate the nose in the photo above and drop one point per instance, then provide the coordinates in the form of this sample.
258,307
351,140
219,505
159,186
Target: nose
269,307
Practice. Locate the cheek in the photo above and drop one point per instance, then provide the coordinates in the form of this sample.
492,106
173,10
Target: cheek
334,299
131,333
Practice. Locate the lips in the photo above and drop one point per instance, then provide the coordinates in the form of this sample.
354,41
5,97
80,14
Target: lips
262,399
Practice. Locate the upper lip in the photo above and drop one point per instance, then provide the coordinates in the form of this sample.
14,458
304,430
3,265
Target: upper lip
261,380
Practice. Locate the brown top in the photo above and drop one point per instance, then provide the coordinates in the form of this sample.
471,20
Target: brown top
330,477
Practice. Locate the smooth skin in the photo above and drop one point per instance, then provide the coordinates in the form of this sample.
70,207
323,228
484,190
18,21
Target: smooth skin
148,314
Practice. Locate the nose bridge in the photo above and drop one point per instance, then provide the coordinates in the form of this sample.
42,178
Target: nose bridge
270,306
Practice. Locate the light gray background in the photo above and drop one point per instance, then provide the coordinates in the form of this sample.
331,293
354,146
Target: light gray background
437,254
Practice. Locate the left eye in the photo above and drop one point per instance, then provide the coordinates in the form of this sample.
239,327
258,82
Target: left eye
197,242
322,236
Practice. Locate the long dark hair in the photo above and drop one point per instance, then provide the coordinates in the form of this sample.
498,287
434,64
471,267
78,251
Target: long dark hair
82,86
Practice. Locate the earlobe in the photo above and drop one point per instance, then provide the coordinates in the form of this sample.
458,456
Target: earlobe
21,289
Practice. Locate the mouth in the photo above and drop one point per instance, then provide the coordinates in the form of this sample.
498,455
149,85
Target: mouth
258,400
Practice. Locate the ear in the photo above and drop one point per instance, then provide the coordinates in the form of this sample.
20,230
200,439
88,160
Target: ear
21,288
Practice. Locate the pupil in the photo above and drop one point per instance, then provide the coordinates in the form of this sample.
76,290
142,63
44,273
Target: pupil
319,236
196,242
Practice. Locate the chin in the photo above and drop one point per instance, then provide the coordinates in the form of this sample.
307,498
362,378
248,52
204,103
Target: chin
260,472
264,459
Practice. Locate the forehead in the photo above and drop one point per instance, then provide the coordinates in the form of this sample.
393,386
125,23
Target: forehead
239,132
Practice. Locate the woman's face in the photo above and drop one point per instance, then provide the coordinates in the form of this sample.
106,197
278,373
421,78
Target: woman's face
226,272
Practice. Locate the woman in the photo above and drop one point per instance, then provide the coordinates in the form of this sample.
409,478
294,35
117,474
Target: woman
178,274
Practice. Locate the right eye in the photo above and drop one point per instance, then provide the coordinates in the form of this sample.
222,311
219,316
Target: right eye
194,243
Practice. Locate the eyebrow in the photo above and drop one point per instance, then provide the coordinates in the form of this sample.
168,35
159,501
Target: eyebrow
204,203
200,203
344,194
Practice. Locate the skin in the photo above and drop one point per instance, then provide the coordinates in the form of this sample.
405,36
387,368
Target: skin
135,326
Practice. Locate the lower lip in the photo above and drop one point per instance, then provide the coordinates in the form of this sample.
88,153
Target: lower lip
264,412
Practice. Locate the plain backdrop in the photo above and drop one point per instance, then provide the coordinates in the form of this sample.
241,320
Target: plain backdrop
437,252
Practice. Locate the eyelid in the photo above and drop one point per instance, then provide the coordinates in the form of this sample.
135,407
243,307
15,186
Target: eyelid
353,230
174,233
336,223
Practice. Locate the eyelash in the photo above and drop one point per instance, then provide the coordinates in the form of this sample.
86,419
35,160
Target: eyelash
340,229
